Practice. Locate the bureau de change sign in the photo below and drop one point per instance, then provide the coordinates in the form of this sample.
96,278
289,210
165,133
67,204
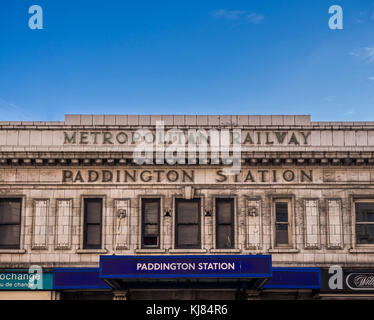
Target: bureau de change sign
186,266
22,280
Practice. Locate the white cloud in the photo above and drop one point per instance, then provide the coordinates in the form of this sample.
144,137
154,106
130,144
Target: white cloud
371,78
13,110
237,14
349,112
255,18
365,54
329,98
228,14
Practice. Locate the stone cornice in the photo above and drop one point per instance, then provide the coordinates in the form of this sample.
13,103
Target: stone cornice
125,159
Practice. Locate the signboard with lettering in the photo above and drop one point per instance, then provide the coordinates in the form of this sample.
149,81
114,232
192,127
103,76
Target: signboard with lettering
360,281
248,137
22,280
149,176
186,266
347,280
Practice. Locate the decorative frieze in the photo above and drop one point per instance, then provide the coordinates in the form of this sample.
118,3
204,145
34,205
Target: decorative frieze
248,159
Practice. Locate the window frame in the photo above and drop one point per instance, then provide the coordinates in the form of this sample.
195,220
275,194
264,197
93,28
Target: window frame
354,223
233,242
199,224
290,207
19,246
84,224
143,201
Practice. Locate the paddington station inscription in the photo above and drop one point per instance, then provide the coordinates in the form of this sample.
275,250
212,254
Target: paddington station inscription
137,176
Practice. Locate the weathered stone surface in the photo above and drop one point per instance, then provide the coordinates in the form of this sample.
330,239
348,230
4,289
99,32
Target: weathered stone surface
53,174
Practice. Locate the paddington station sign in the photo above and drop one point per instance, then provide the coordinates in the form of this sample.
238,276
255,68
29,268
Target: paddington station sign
185,176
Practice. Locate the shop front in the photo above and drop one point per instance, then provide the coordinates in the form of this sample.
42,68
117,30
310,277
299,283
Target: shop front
347,283
203,277
21,284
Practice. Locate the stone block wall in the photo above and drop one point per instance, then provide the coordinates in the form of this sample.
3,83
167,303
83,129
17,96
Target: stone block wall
322,222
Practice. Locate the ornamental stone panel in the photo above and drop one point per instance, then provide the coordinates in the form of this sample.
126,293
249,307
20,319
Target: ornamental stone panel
64,212
334,229
312,229
121,217
254,224
40,224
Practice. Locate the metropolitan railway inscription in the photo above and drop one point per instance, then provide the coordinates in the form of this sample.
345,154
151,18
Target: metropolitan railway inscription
266,138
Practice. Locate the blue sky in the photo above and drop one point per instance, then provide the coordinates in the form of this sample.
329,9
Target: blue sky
187,57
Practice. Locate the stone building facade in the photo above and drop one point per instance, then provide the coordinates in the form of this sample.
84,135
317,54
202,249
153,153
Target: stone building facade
71,193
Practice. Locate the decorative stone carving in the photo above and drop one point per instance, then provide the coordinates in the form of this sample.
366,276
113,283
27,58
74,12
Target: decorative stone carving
253,211
253,222
121,218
